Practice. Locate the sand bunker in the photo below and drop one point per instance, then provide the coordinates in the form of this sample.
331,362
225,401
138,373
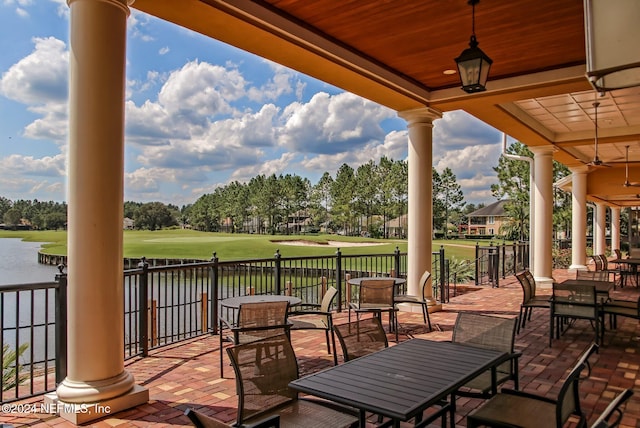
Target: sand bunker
328,243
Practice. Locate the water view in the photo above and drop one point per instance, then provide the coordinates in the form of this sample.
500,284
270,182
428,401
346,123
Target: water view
19,263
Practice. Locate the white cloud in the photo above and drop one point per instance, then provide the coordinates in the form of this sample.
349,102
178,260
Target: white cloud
48,166
278,85
332,124
41,77
164,50
274,166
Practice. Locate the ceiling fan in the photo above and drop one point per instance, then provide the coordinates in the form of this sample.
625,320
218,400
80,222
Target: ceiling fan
628,183
596,162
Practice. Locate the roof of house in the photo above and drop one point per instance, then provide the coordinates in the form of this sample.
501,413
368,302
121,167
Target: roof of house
496,209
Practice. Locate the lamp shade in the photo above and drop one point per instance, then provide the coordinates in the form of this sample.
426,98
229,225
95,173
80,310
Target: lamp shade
612,33
473,67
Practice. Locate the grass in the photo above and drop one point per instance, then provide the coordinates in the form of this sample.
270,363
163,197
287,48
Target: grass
201,245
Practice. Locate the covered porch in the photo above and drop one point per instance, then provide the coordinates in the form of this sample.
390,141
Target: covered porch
187,375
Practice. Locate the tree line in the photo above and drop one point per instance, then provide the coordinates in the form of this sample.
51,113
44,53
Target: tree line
352,202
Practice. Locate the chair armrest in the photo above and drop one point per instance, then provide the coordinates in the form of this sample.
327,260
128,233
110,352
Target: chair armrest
294,313
269,422
527,395
306,305
260,328
331,405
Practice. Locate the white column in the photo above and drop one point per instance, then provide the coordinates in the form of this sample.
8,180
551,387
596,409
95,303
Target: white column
95,372
420,211
600,242
615,229
543,200
578,218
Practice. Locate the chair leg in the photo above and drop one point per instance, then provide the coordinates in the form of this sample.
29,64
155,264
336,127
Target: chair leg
425,314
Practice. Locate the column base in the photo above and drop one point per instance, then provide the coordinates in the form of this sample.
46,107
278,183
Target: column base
544,282
81,413
574,268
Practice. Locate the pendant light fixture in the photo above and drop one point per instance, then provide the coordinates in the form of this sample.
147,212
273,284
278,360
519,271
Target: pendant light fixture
473,64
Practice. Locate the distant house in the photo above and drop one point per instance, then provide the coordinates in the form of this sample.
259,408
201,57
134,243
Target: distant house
487,220
127,223
397,227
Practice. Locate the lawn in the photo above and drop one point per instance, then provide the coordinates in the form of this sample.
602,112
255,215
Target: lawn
201,245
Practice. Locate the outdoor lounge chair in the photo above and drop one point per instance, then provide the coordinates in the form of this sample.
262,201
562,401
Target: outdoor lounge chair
418,300
488,332
529,298
511,408
255,321
313,316
262,385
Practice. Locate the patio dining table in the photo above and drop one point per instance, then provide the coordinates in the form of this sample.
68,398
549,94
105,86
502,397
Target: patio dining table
402,381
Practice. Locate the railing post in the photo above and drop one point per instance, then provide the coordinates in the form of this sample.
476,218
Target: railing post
61,325
339,278
143,313
215,283
396,261
477,258
504,260
277,257
442,272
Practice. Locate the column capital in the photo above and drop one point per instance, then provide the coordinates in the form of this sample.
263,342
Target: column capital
123,4
542,150
582,169
422,115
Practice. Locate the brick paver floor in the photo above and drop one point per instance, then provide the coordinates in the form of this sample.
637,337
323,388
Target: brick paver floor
187,375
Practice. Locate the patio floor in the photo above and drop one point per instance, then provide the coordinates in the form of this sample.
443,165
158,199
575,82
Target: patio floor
187,375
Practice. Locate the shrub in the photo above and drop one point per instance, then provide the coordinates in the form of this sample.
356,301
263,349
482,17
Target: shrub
11,366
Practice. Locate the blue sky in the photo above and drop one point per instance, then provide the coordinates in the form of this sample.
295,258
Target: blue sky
200,114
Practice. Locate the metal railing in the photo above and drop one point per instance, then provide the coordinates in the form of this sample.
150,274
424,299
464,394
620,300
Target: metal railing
498,261
32,316
167,304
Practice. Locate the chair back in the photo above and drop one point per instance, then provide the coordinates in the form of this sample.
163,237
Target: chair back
618,254
199,420
523,279
590,275
612,415
376,292
569,395
263,371
327,299
574,300
597,261
424,280
605,261
261,319
361,337
487,332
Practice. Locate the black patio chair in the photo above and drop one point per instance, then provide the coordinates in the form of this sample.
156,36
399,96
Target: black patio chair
255,321
262,385
313,316
488,332
419,299
200,420
612,415
529,298
361,337
376,296
511,408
